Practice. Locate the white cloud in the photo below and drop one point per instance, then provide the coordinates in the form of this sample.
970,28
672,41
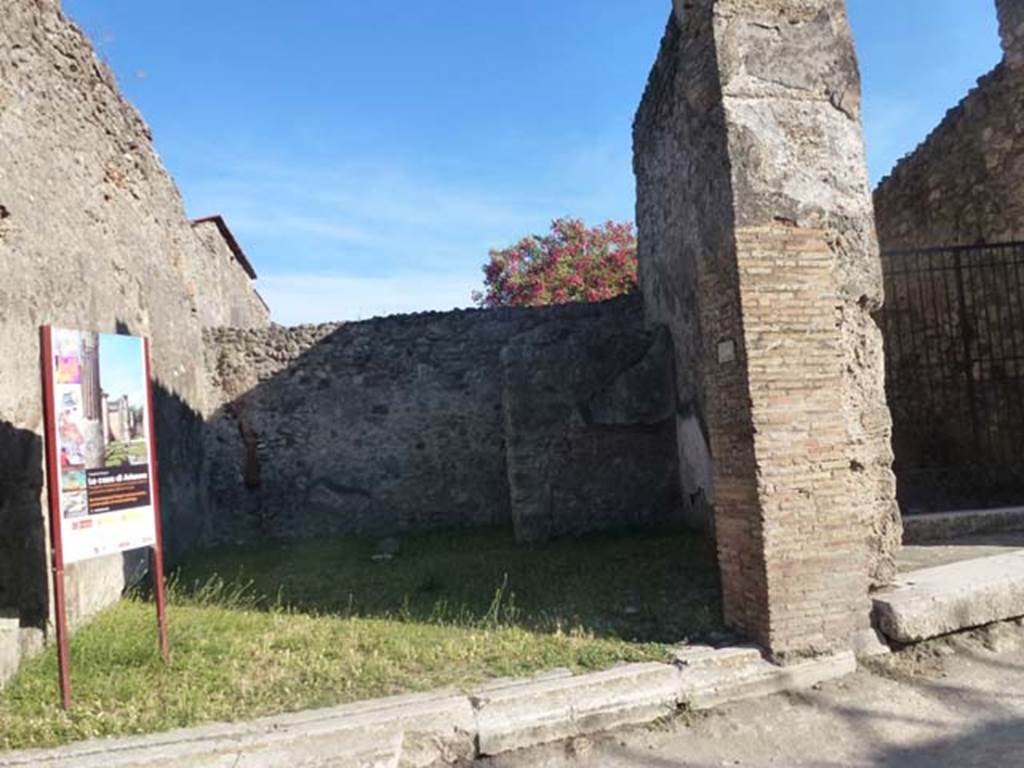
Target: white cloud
307,298
361,239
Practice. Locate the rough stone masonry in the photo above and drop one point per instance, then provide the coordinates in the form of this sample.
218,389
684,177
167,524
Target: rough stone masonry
964,185
757,254
757,248
93,235
554,421
955,318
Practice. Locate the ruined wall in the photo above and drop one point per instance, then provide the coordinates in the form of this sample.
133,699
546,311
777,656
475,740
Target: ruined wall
589,424
953,315
684,214
221,290
92,235
754,106
1011,31
954,332
408,422
964,185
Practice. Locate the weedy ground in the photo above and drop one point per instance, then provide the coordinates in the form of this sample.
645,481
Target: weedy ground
289,626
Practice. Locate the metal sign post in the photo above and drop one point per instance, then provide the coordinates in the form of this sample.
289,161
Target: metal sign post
157,552
57,550
95,465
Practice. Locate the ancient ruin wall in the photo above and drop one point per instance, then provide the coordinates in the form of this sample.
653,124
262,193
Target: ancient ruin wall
791,86
684,213
757,104
221,290
1011,31
92,235
539,418
953,314
964,184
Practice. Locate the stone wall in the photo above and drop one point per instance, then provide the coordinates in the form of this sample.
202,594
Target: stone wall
93,235
589,424
683,212
221,285
1011,31
757,248
426,421
964,185
954,330
954,297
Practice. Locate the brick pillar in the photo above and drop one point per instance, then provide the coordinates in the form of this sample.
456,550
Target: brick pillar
1011,30
758,249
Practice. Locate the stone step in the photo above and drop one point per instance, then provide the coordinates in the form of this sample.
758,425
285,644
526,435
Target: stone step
937,601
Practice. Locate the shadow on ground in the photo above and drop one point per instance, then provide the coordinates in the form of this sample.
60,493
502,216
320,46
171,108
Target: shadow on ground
921,708
645,587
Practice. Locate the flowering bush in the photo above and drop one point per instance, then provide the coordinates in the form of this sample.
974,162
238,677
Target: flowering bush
573,263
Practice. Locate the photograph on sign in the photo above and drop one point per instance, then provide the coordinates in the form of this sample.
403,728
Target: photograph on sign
100,401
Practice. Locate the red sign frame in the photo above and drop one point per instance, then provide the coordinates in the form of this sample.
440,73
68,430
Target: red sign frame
53,491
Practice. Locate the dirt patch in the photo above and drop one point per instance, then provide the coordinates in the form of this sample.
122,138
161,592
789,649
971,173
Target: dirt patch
929,659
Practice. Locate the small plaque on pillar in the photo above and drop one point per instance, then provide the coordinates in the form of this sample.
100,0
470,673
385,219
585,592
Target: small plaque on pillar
727,351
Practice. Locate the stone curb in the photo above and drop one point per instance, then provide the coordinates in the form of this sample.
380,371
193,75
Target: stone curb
943,526
421,727
529,712
443,727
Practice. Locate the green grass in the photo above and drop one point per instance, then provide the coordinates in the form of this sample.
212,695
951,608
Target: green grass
121,452
278,628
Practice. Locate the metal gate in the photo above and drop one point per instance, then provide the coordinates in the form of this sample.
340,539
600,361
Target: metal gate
954,337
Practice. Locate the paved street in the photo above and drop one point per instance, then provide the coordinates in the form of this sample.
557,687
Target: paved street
956,702
916,556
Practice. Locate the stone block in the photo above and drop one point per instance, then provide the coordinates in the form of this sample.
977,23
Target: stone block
868,643
520,714
708,657
936,601
10,646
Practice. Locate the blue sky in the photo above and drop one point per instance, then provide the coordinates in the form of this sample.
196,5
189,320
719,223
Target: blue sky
122,368
367,154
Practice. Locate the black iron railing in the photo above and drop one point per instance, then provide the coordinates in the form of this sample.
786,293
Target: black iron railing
954,333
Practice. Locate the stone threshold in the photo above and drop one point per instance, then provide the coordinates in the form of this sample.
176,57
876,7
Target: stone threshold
935,527
444,727
939,601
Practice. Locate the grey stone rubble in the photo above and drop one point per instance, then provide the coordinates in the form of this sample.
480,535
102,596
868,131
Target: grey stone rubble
937,601
444,727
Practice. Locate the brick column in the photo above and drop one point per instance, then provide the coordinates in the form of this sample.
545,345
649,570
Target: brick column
758,249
